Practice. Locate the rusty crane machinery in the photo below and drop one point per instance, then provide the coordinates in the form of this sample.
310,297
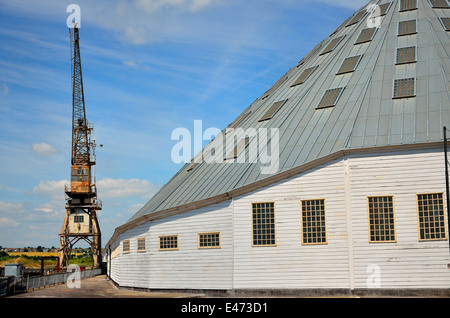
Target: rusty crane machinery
80,222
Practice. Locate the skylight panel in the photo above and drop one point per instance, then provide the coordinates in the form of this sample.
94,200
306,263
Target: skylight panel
356,18
304,76
439,4
332,45
349,65
366,35
407,27
330,98
275,86
407,5
240,119
404,88
446,23
271,112
406,55
239,147
309,55
384,8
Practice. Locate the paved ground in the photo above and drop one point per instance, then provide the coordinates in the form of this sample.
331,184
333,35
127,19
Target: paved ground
96,287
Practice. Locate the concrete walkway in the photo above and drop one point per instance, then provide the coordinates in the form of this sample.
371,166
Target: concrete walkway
96,287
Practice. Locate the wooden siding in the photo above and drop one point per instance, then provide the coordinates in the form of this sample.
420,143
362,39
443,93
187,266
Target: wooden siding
346,261
189,267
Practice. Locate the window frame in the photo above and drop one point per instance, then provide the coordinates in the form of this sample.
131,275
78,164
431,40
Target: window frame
445,218
393,218
127,251
138,240
397,62
199,239
274,225
404,96
168,248
302,221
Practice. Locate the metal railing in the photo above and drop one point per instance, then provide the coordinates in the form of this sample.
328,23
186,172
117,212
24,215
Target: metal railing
13,285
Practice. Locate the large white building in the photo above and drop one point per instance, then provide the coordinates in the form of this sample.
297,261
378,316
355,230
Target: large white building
355,198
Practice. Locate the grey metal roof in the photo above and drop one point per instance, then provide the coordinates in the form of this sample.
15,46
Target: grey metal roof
366,115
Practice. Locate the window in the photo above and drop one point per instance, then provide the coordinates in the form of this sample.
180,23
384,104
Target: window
381,219
126,246
439,4
430,208
275,107
168,243
141,244
406,55
304,76
78,218
240,120
332,45
314,228
330,98
209,240
366,35
406,5
274,87
239,147
446,23
263,224
384,8
407,27
404,88
356,18
309,55
349,65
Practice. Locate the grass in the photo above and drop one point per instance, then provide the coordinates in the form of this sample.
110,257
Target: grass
33,259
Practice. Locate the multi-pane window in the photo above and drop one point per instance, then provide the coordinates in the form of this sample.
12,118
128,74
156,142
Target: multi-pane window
314,228
349,65
263,224
404,88
407,27
141,244
78,219
406,55
332,45
439,4
330,98
126,246
406,5
304,76
446,23
381,219
356,18
209,240
275,107
366,35
168,242
431,216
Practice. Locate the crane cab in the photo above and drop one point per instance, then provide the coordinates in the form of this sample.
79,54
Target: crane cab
80,179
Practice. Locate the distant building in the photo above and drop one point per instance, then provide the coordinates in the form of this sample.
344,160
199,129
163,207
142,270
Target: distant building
357,198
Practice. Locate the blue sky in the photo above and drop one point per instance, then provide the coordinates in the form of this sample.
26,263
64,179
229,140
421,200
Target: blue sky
149,67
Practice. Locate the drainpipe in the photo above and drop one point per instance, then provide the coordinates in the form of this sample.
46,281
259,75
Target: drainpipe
447,185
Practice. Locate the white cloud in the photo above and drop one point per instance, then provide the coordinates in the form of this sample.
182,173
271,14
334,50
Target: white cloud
349,4
51,189
5,89
7,223
43,149
129,63
122,188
